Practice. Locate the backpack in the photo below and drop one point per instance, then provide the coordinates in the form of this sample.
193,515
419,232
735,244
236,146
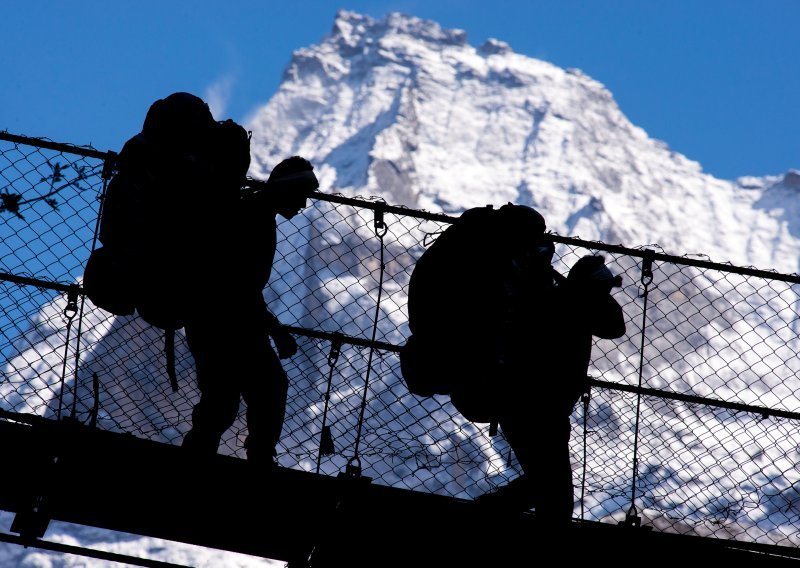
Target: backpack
183,170
463,297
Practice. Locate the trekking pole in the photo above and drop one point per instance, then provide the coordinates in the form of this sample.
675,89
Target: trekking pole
632,518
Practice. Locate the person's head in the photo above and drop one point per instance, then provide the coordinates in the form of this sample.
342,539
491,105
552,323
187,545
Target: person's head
521,222
291,183
523,233
178,119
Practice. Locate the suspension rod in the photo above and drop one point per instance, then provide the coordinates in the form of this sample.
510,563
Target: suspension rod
57,146
27,281
694,399
342,338
88,552
680,260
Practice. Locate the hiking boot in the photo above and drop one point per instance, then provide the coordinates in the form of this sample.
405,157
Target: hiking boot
266,458
514,497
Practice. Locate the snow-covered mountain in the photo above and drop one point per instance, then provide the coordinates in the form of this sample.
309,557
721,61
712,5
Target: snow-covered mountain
403,109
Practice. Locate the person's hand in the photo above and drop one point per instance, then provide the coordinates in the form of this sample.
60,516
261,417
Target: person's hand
296,174
285,343
590,275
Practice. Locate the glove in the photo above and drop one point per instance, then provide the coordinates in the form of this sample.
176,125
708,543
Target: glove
285,343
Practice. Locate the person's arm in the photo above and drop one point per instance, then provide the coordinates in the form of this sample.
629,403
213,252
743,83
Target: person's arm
284,341
608,321
591,282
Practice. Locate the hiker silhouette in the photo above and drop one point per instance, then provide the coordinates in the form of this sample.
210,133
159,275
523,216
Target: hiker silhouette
547,367
228,331
184,245
498,329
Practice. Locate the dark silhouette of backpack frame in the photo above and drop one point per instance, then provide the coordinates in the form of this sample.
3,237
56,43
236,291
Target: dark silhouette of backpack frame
170,181
459,306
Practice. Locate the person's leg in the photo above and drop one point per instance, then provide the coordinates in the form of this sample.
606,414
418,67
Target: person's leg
264,390
211,417
541,445
219,394
553,490
519,494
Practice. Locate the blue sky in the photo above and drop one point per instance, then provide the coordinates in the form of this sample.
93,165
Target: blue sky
717,80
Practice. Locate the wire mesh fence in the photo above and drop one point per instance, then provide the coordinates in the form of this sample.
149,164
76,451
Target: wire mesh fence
691,421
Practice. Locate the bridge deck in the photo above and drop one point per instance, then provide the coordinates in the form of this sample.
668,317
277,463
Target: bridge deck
123,483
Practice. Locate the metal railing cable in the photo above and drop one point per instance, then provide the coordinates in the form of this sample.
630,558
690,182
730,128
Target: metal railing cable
70,311
87,552
585,398
380,228
109,163
646,279
325,436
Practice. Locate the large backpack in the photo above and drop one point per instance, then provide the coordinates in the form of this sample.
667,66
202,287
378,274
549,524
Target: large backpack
173,179
464,296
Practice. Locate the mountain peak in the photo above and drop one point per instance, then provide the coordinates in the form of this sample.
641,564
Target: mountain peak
494,46
403,108
353,28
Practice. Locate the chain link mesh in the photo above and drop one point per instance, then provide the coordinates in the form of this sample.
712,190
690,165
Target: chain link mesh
690,421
